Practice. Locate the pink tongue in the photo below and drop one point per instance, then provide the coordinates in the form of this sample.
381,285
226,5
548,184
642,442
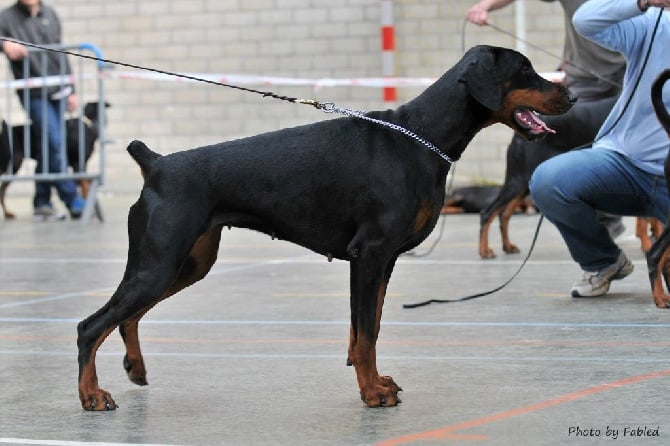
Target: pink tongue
533,121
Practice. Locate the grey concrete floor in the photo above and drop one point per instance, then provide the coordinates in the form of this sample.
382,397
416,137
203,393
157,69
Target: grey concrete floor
255,353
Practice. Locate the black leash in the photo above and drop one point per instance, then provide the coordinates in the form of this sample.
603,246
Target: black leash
485,293
327,107
270,94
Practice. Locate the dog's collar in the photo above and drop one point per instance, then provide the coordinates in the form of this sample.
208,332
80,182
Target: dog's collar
329,107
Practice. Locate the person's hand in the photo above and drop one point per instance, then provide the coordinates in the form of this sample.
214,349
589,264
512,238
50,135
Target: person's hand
14,51
478,15
643,5
72,102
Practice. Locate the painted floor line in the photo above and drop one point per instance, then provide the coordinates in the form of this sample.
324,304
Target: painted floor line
454,431
270,323
224,270
26,441
435,358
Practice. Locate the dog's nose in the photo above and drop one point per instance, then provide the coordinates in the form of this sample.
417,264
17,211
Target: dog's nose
572,98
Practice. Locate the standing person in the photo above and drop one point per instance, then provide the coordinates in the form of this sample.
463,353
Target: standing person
593,73
32,21
622,173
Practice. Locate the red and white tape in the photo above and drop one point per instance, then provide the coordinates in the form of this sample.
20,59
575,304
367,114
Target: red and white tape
388,48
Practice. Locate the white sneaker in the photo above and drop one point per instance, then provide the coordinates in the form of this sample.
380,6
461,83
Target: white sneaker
47,213
597,283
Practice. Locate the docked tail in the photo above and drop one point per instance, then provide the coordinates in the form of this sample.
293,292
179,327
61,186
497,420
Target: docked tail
142,155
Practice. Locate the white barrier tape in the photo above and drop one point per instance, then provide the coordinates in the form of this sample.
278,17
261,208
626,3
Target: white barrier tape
241,79
38,82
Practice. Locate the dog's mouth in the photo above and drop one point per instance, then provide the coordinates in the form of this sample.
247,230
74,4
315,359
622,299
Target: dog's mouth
530,122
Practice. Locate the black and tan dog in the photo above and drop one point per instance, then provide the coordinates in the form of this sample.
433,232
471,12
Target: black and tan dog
659,254
345,188
15,152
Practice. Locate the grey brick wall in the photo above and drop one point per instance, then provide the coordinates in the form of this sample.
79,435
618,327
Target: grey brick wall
294,38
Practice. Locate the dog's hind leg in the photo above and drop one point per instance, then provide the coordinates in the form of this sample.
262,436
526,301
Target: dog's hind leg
505,216
369,278
201,259
164,256
509,192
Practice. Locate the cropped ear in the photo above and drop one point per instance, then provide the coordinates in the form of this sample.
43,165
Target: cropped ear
481,79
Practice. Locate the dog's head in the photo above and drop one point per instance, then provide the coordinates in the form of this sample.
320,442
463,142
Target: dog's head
91,110
505,82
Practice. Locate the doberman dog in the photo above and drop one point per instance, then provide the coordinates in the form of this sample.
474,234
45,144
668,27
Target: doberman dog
577,128
89,123
658,255
345,188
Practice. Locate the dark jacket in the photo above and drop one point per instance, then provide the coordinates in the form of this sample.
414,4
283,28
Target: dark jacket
43,29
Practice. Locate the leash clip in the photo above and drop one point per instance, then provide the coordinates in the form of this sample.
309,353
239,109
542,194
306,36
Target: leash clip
328,107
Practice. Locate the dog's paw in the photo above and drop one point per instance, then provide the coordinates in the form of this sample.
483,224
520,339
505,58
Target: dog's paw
662,301
384,394
487,253
511,249
97,401
135,371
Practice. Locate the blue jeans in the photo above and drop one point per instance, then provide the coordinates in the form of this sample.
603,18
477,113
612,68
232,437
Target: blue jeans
569,189
67,190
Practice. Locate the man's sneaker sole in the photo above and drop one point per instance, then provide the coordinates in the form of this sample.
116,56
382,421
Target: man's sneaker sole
625,270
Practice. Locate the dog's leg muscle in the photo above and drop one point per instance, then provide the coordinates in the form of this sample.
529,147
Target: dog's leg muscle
199,262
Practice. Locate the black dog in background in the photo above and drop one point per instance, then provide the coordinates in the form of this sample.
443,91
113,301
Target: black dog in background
89,121
576,128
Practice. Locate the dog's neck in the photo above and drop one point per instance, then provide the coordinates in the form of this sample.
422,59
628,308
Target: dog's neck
446,117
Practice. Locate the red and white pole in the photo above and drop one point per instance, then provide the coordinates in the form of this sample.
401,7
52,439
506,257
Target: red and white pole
388,47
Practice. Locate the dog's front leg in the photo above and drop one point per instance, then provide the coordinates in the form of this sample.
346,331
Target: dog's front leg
368,288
